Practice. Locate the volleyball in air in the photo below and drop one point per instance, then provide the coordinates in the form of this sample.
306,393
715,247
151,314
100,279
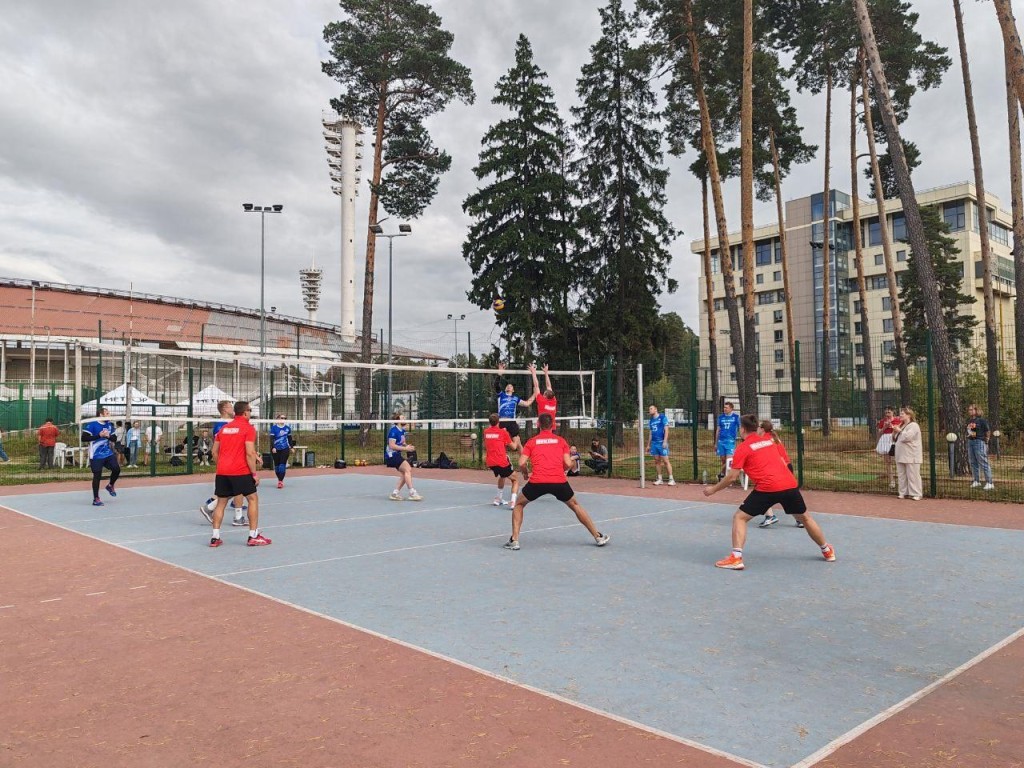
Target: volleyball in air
498,305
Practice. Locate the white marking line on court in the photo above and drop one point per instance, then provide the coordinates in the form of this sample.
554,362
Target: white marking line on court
178,581
5,606
263,505
433,654
144,586
895,709
52,600
93,594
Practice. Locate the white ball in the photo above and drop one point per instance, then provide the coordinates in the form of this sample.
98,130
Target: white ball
951,437
474,436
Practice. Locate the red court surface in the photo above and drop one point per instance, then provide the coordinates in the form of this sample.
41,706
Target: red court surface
113,659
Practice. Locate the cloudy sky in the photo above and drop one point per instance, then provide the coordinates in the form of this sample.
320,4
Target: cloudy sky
131,133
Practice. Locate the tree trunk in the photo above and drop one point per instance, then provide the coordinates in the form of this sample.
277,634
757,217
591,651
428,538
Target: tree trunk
790,330
1012,47
1017,207
826,270
709,288
750,346
899,353
942,349
991,357
724,249
858,259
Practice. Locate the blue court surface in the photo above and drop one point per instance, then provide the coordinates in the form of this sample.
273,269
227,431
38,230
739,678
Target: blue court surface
768,665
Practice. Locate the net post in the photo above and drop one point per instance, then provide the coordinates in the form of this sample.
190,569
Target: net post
932,480
270,414
78,390
430,411
189,429
693,411
608,427
798,415
99,366
640,422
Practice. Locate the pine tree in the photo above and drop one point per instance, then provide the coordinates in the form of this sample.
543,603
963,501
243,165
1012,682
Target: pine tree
522,229
622,186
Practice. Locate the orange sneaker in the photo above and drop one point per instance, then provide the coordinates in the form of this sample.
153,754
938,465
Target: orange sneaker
828,553
731,562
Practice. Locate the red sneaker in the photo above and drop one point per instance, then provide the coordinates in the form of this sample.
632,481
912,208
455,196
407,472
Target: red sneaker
280,483
258,541
731,562
829,553
216,542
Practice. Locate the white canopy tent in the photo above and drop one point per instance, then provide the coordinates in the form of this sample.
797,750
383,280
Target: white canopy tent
142,404
204,402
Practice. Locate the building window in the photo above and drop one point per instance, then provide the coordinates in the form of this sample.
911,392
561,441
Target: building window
899,227
732,376
759,278
757,319
719,304
779,356
777,315
955,215
780,373
888,347
858,349
886,325
887,304
877,282
763,254
856,306
778,336
778,251
999,233
879,259
874,233
777,276
860,370
856,328
901,255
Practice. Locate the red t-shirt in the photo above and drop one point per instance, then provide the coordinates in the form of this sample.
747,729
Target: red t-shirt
546,452
232,438
48,434
759,457
886,425
548,405
782,453
495,440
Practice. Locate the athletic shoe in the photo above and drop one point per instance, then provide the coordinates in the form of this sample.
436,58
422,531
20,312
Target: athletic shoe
110,490
206,513
216,542
800,525
721,475
239,522
280,483
657,482
975,484
899,495
989,487
768,520
497,501
601,539
829,553
512,544
96,502
731,563
395,496
413,496
258,541
671,481
915,498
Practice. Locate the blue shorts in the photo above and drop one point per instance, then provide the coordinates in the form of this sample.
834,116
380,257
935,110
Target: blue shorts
658,449
725,447
395,461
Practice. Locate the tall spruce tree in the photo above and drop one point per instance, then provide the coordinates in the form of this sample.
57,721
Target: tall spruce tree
390,58
622,186
522,216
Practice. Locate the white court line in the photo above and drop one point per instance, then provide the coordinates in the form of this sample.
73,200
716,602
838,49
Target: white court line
5,606
52,600
895,709
263,505
433,654
144,586
93,594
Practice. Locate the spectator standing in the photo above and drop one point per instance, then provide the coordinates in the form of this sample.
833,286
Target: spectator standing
152,437
47,435
133,443
883,447
3,453
978,433
908,455
598,460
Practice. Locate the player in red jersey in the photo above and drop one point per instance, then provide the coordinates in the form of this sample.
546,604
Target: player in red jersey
496,442
767,429
548,454
234,454
759,457
546,400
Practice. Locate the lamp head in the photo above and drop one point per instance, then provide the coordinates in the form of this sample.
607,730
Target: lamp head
278,208
377,229
247,207
405,228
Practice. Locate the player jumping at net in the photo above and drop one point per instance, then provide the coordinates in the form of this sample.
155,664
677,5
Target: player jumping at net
395,457
496,442
238,505
508,404
548,454
657,445
99,434
234,454
546,400
759,457
280,447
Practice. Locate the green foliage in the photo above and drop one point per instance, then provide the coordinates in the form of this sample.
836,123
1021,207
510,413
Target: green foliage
390,58
521,242
664,394
942,251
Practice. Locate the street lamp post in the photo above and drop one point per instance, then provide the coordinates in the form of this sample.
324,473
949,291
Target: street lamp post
456,319
47,353
32,357
404,230
262,210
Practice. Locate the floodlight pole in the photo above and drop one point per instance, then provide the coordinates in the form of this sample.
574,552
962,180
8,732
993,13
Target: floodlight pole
262,210
378,231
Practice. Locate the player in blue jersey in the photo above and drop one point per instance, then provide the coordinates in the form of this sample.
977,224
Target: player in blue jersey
238,505
657,445
99,434
395,451
508,404
280,447
726,432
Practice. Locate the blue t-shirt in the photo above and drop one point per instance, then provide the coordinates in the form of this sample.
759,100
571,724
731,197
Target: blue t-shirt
658,425
397,434
280,433
728,427
99,447
507,405
219,425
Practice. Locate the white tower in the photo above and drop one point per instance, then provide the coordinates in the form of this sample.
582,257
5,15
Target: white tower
342,136
310,278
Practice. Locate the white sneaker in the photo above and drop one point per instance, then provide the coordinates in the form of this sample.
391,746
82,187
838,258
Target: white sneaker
497,501
413,496
988,487
671,481
395,496
658,482
975,484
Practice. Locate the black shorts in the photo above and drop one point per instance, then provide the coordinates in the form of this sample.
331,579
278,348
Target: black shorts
505,471
229,486
512,427
561,491
395,461
281,455
98,465
759,502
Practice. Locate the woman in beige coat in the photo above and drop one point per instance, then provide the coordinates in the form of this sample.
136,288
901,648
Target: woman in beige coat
908,455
